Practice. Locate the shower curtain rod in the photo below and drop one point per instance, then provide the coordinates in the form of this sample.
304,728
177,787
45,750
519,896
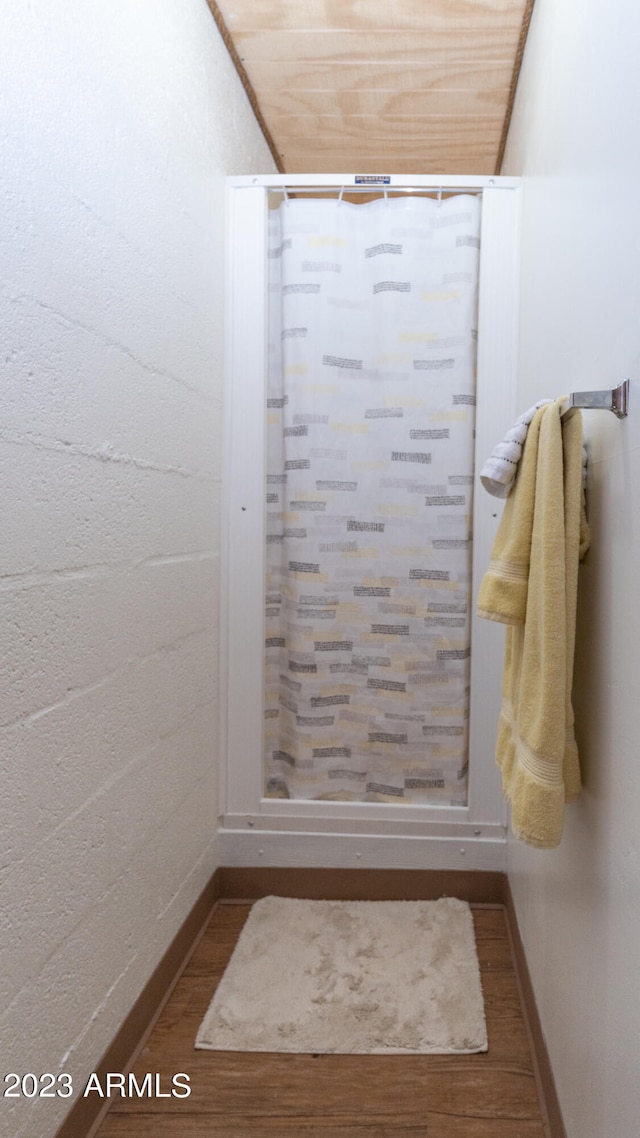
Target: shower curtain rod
615,399
382,190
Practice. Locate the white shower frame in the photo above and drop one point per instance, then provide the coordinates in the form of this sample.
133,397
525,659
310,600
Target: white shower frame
255,830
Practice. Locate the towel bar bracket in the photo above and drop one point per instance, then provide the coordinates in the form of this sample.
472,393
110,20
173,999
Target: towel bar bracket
616,400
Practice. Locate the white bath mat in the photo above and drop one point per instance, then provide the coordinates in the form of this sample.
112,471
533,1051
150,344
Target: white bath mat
351,977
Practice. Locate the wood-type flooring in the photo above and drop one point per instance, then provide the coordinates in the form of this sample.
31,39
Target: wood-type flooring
241,1095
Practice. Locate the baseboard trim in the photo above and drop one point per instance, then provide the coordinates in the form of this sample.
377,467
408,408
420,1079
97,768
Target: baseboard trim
87,1113
340,884
550,1103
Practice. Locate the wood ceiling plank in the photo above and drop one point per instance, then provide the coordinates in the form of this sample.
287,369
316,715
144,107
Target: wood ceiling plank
370,131
419,47
367,15
478,163
431,157
290,75
310,162
402,104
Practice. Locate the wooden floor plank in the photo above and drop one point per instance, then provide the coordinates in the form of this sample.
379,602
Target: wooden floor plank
201,1126
501,996
447,1126
492,942
264,1095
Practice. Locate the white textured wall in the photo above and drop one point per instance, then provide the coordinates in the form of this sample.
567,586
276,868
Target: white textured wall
574,136
118,123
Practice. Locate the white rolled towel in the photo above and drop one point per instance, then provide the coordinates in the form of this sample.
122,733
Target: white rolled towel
499,471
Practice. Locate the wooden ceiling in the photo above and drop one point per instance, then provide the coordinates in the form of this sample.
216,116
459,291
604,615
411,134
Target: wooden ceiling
379,86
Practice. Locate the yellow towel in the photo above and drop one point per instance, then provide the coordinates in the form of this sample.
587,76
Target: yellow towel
531,585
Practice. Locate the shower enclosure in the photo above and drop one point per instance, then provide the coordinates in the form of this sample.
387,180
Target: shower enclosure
371,336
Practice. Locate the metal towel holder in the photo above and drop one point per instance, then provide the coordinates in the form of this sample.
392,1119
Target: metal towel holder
616,400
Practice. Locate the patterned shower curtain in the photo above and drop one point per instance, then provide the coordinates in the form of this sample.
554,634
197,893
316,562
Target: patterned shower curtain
371,395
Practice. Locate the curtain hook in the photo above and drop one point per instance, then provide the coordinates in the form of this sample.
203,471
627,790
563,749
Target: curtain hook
386,199
340,195
284,191
439,196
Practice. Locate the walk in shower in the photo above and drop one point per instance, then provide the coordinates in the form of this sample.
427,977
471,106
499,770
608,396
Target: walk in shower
371,336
